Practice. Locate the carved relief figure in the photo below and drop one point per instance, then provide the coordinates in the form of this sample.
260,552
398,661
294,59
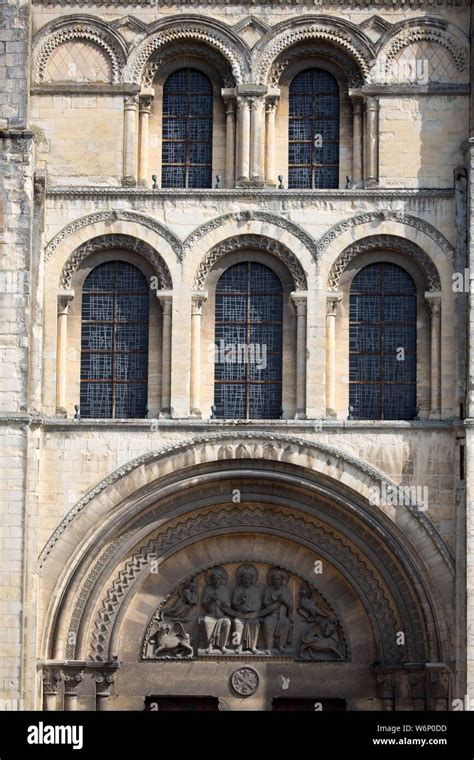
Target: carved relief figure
277,605
187,598
247,602
216,603
322,637
171,638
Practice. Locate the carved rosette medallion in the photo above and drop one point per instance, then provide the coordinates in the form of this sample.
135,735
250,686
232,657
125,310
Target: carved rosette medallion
245,681
245,610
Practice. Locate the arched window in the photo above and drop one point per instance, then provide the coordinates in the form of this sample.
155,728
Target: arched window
114,342
382,344
249,321
187,130
313,140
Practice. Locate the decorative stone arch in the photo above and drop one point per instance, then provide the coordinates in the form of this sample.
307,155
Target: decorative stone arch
78,27
188,29
424,30
197,50
260,223
384,242
340,34
126,242
312,496
315,49
111,221
251,242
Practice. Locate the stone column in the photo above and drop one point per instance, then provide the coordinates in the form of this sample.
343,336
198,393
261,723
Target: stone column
332,300
357,142
64,300
434,302
300,301
386,688
144,118
257,145
372,142
130,140
72,679
166,301
230,142
51,678
103,690
270,141
197,302
243,139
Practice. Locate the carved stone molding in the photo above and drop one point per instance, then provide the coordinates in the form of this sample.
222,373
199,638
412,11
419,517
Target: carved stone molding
231,609
258,443
191,31
392,242
247,216
125,242
89,29
382,216
400,39
329,52
331,30
218,62
238,242
355,568
111,216
245,681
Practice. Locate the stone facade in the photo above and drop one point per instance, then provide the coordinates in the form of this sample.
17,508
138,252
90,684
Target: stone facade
112,529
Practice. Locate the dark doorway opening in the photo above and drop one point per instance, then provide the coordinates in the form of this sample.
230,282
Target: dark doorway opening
305,704
187,704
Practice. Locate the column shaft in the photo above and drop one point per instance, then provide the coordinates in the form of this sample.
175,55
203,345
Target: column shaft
331,307
357,143
257,149
301,309
166,303
196,314
64,300
372,142
130,140
435,307
144,119
270,143
230,143
243,138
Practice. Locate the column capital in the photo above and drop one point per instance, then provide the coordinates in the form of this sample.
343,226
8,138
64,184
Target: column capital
51,678
300,300
197,302
65,298
145,102
332,300
433,301
72,677
166,300
130,102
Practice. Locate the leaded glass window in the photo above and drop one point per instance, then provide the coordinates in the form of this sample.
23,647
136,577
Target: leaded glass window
382,344
114,342
249,323
187,130
313,140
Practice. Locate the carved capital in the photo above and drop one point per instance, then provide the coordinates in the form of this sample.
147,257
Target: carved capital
72,678
130,102
166,301
433,300
332,300
51,678
65,298
145,102
300,301
197,302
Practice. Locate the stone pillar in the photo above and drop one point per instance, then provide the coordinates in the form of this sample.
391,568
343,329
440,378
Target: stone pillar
166,300
243,139
64,300
144,118
357,142
332,300
197,302
386,689
257,145
270,141
434,302
51,678
130,140
72,679
300,301
103,690
372,142
230,142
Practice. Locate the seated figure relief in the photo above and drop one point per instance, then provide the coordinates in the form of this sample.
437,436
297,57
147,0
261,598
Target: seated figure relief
245,610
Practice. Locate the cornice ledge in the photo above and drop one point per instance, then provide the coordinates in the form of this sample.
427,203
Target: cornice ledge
81,191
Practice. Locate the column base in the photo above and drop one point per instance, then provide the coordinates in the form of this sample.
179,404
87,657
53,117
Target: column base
129,181
254,182
371,184
196,413
331,413
300,414
143,183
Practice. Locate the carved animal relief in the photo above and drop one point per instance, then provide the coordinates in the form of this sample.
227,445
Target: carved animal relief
245,610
